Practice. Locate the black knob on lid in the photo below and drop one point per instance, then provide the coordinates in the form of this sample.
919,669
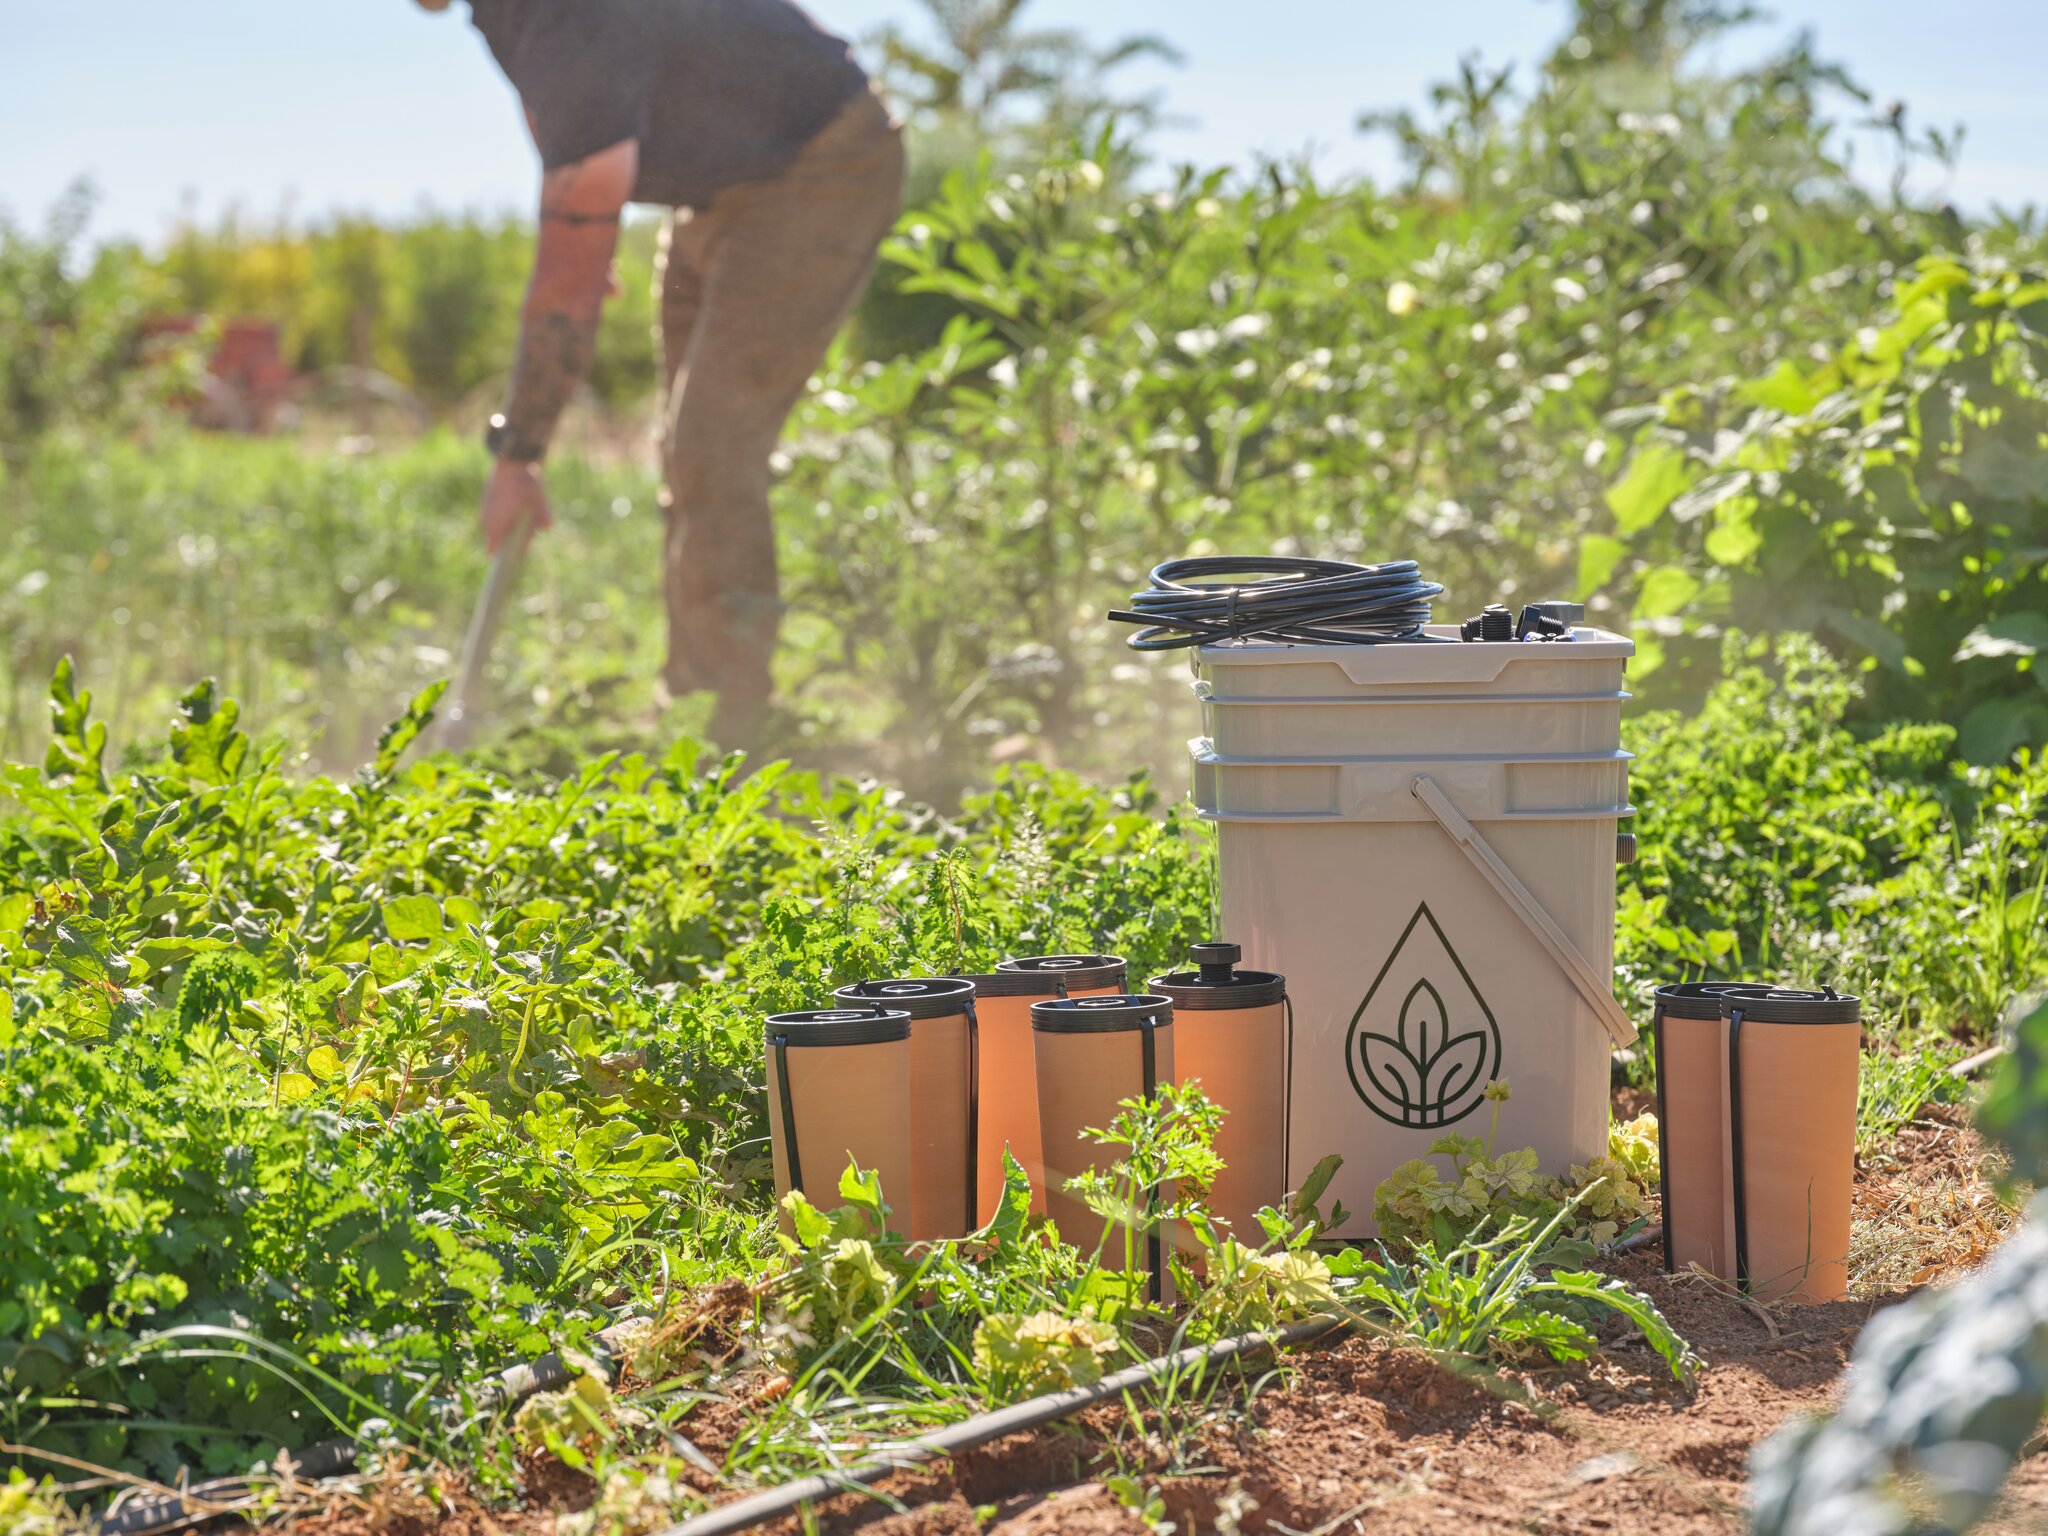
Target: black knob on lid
1213,961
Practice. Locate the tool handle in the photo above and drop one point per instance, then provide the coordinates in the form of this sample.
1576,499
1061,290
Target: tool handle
460,721
1517,895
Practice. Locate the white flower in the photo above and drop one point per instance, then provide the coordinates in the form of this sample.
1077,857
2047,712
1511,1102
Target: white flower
1403,298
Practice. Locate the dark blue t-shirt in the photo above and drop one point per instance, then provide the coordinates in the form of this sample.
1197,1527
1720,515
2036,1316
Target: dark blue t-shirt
718,92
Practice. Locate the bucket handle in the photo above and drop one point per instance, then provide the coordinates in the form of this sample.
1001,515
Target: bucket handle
1525,906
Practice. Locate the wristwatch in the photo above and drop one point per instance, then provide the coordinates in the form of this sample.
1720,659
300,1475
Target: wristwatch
504,443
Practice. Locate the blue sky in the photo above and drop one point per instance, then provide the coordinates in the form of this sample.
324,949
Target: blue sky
301,107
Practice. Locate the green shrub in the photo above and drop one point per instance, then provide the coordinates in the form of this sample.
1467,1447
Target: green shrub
1775,841
1892,500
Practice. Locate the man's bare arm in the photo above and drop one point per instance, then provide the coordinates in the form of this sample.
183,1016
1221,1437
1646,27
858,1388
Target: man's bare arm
580,208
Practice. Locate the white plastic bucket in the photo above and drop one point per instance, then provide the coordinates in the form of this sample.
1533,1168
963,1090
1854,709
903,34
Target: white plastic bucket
1434,939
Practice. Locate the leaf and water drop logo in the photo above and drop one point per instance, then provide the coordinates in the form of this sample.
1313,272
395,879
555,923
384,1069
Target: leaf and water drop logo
1423,1044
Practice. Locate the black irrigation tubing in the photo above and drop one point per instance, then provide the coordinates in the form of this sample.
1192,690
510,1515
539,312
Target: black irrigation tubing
757,1508
157,1513
1204,599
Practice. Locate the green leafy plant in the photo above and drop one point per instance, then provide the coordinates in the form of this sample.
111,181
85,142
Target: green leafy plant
1416,1204
1018,1355
1889,499
1165,1159
1499,1297
1893,1087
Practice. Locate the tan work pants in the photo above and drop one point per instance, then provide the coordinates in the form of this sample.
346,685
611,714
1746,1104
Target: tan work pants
750,292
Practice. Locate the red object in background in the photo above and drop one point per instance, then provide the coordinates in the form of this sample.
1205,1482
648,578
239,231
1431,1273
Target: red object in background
247,380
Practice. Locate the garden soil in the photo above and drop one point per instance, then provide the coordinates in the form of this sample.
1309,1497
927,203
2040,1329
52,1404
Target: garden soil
1363,1436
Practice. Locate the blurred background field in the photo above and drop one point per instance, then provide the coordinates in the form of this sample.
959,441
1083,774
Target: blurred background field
1625,326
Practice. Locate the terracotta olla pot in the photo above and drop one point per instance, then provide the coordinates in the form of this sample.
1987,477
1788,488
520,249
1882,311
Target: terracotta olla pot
1233,1032
1091,1052
839,1091
1687,1039
1085,975
944,1091
1788,1085
1007,1084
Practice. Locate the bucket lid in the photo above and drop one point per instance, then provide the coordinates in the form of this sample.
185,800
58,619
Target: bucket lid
1082,972
1109,1014
1216,983
839,1026
1019,984
1789,1005
1702,999
922,997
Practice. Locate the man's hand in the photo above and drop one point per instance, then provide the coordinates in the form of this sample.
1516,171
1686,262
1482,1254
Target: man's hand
514,499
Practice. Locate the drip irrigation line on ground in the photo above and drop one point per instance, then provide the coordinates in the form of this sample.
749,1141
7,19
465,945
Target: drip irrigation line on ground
771,1503
158,1513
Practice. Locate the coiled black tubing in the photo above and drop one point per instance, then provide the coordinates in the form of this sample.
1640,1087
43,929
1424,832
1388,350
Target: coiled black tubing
1206,598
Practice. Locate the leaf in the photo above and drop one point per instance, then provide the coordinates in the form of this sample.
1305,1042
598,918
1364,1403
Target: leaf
1709,494
1013,1209
294,1086
405,730
1619,1296
2010,634
1599,554
461,909
1665,591
862,1189
1734,538
204,741
412,917
7,1033
1557,1335
1784,389
1992,730
1860,630
1304,1199
324,1062
1656,475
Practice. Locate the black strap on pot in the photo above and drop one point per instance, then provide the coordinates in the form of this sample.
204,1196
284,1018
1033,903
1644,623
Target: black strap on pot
1151,1061
973,1113
1663,1121
1735,1147
796,1167
1287,1105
